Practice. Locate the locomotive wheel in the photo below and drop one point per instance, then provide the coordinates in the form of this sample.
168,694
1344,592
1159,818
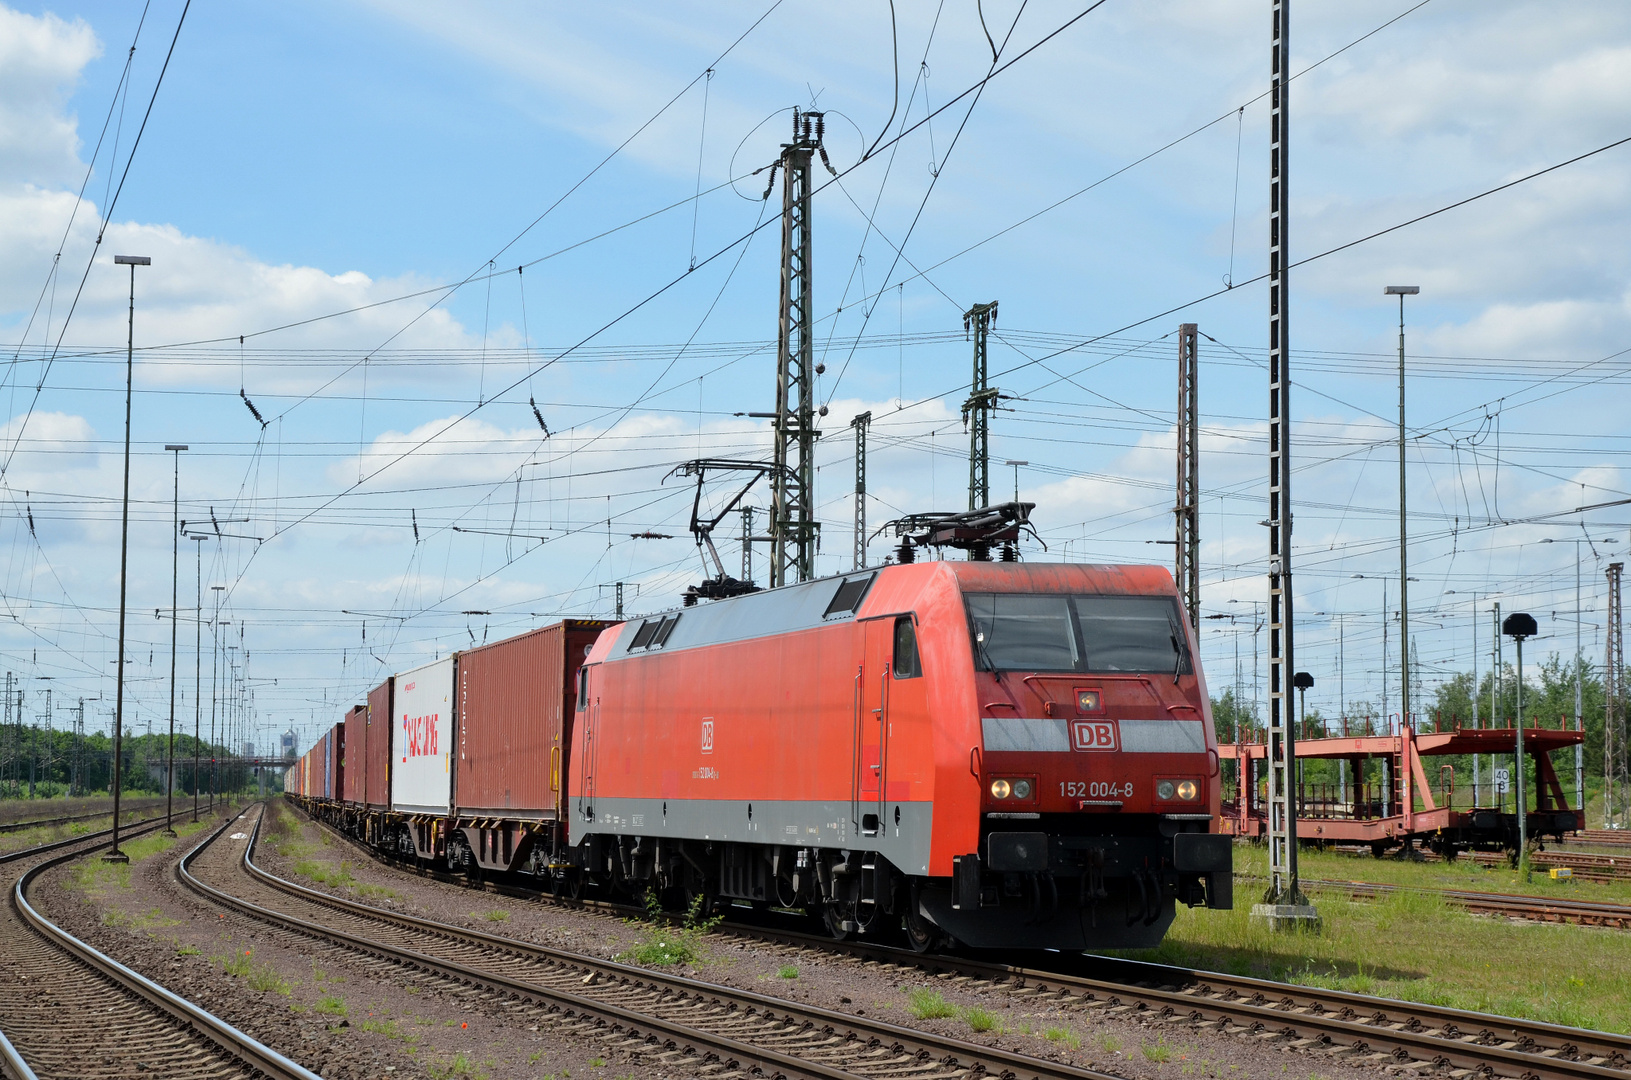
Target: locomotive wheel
832,915
921,935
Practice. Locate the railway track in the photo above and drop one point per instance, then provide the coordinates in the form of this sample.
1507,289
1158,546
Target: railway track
58,1012
1353,1028
721,1030
1586,865
18,826
1606,837
1536,908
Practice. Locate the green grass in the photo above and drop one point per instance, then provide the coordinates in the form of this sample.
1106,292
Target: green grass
325,873
1108,1043
787,971
266,979
1065,1036
496,915
1160,1052
1414,946
981,1020
662,943
387,1028
259,977
330,1005
189,950
459,1066
926,1004
386,891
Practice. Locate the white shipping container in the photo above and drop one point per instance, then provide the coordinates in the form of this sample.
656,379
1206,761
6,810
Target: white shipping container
422,739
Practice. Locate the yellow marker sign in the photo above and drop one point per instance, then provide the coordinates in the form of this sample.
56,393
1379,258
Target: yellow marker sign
1561,873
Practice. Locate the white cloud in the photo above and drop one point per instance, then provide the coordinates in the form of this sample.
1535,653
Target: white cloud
40,60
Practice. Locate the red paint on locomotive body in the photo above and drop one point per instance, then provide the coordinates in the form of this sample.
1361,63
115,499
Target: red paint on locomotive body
955,712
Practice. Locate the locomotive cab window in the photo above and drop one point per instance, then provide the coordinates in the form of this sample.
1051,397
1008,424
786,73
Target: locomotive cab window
906,664
583,689
1051,632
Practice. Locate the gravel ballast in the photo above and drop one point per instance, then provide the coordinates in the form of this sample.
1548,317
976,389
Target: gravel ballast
1123,1044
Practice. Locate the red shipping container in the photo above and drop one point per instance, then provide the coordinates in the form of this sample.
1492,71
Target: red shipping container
354,760
378,749
336,753
516,700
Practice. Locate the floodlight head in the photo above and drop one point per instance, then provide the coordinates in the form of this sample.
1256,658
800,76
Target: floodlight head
175,446
1401,290
1016,462
1303,681
1519,625
132,260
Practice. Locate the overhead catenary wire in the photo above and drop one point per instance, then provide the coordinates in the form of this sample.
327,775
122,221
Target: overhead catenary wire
100,233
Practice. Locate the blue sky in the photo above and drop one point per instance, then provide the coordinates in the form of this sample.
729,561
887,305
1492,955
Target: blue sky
305,159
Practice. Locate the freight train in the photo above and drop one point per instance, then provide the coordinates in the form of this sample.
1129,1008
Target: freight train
995,754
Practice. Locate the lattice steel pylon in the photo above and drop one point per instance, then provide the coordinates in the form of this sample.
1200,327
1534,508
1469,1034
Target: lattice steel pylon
1187,510
1616,793
861,423
977,409
792,481
1284,904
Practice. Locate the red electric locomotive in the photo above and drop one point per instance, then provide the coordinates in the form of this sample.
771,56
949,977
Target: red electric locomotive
1000,754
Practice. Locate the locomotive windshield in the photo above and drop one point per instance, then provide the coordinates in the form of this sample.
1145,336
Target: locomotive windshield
1053,632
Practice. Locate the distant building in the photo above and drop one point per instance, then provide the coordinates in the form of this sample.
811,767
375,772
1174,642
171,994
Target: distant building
288,743
248,748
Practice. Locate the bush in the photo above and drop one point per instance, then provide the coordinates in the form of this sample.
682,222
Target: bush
662,944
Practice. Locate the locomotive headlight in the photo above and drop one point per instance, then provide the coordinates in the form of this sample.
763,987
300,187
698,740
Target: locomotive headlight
1165,789
1187,790
1022,789
1000,789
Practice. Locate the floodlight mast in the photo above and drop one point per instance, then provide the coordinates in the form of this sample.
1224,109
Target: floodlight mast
114,854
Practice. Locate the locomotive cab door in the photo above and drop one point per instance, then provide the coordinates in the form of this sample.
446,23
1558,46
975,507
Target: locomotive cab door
889,654
871,729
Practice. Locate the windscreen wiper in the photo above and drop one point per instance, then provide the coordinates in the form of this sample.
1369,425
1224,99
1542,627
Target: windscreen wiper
1179,648
990,665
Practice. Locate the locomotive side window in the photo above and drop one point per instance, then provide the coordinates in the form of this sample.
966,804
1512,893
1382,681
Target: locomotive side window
583,689
848,596
642,636
906,661
1034,632
660,638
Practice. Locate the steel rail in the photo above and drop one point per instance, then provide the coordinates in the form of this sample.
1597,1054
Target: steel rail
223,1037
53,845
1335,1018
909,1047
18,826
1537,908
15,1067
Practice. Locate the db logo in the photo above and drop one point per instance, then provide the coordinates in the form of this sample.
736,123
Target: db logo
708,736
1093,734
